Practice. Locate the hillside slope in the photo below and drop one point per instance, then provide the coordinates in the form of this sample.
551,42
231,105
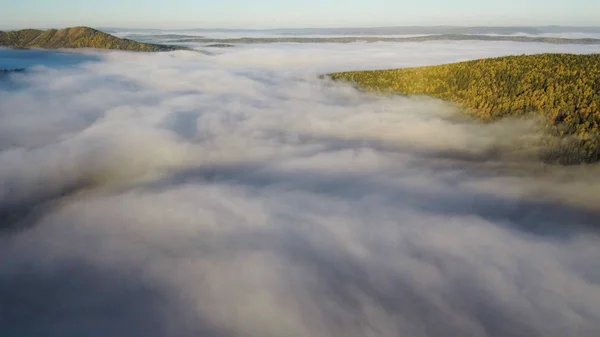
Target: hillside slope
76,37
564,88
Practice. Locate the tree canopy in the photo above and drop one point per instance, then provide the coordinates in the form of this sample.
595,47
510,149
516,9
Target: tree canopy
564,88
76,37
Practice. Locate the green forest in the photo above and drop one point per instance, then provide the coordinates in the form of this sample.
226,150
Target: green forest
76,37
564,88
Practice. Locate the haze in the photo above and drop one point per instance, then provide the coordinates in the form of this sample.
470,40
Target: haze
294,13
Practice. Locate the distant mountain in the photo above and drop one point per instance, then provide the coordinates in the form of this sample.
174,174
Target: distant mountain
76,37
6,71
372,31
424,38
563,88
436,30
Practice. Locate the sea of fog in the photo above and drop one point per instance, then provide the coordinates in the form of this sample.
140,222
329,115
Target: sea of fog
238,194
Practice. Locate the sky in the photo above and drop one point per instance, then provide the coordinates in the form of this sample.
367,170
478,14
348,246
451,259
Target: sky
294,13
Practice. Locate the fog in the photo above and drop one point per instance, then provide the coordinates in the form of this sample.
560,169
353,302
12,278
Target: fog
238,194
406,31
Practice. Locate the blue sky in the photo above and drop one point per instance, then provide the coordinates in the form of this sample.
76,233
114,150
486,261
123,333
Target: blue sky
294,13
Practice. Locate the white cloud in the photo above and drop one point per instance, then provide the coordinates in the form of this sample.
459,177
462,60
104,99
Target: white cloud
182,195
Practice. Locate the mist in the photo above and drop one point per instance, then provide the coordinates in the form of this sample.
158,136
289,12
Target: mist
239,194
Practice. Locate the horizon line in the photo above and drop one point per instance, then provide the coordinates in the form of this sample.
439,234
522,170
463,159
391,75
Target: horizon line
318,28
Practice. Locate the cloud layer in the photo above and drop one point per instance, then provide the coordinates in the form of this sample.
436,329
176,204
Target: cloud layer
239,195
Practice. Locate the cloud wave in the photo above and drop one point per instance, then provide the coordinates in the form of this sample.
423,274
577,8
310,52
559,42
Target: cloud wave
239,195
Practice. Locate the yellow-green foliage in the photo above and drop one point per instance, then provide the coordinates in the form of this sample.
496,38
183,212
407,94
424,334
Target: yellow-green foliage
564,88
18,39
77,37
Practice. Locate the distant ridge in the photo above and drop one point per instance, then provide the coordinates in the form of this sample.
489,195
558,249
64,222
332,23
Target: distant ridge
6,72
75,37
390,30
11,70
424,38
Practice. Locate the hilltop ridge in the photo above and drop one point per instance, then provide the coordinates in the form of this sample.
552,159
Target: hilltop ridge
75,37
563,88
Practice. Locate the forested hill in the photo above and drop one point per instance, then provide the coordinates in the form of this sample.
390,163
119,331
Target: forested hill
564,88
76,37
